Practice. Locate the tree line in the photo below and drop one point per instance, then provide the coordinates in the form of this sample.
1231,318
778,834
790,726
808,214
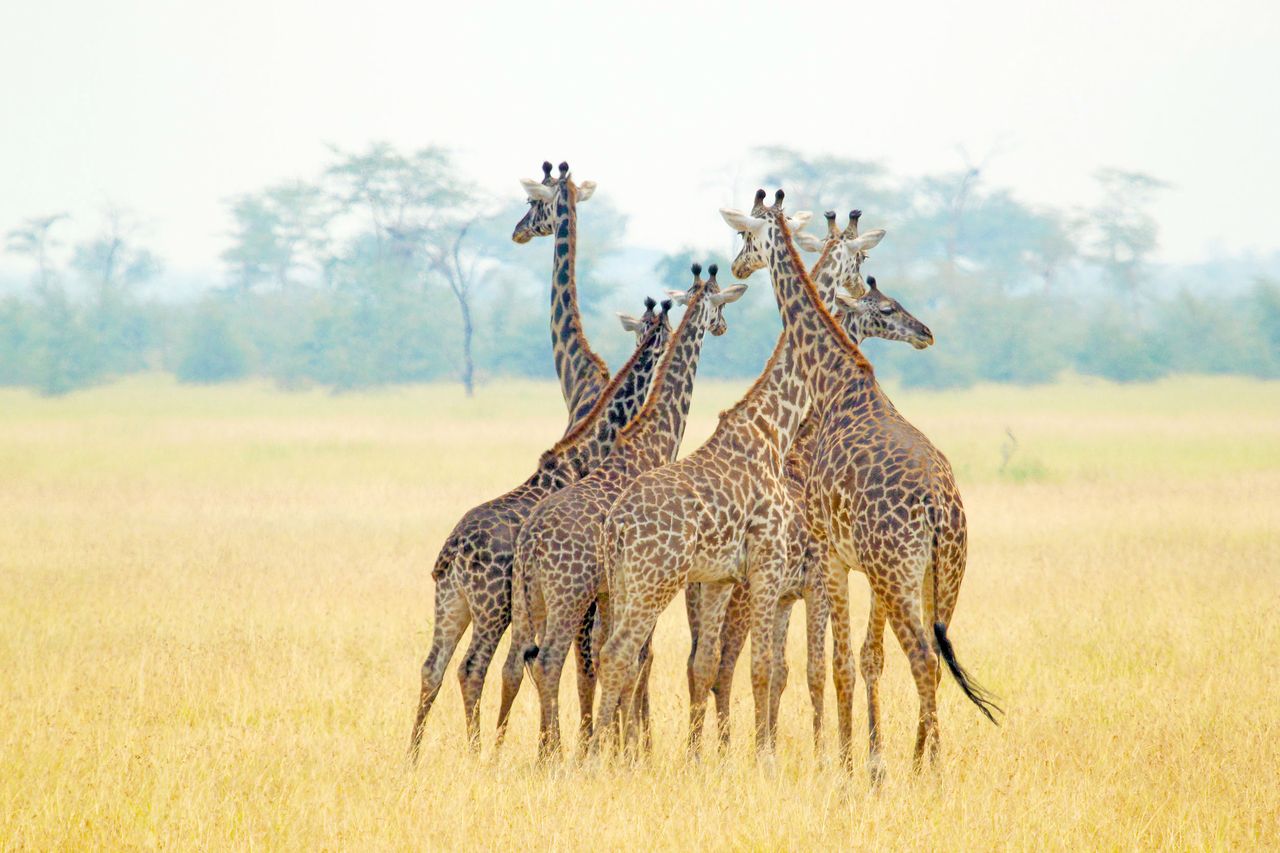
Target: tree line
392,267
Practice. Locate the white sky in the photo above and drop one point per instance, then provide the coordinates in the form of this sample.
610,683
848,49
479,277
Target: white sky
169,108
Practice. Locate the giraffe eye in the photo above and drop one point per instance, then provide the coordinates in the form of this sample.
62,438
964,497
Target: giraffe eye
886,309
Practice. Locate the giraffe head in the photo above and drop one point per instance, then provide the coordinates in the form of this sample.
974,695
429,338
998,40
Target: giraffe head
847,250
875,315
542,196
751,257
646,321
707,297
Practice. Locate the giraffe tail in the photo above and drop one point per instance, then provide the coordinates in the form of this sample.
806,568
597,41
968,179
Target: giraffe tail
444,561
976,693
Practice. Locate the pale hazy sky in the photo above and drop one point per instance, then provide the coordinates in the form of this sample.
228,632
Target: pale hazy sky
169,108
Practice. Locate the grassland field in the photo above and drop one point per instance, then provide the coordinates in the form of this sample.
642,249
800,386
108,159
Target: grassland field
214,603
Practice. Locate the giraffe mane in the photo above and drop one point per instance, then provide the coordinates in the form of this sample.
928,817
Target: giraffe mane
842,340
588,422
660,375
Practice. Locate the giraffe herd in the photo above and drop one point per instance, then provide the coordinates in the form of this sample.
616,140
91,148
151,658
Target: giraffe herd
811,475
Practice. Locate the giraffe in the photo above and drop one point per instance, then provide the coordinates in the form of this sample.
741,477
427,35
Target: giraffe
882,501
473,571
553,209
837,266
557,574
889,320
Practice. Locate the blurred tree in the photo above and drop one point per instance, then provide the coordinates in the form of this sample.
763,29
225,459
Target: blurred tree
113,263
112,260
280,233
34,238
419,213
450,256
830,182
673,270
339,281
1263,304
1125,233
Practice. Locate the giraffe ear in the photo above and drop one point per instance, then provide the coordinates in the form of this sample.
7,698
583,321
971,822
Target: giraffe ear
799,220
732,293
679,297
629,323
808,242
739,221
867,241
586,189
536,191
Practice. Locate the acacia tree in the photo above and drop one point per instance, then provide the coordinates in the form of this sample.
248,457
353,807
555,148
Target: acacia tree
112,260
1125,233
34,238
279,233
113,263
830,182
446,250
420,218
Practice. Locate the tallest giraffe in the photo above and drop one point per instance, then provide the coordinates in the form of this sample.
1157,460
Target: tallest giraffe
553,209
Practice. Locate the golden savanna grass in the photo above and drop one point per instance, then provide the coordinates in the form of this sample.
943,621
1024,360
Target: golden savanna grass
214,604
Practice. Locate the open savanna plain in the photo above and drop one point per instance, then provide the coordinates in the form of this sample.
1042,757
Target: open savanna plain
214,603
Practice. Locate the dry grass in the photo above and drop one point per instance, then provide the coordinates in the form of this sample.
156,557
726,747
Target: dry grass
214,604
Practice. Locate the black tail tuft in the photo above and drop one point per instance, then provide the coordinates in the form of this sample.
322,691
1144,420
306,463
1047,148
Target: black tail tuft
530,653
977,694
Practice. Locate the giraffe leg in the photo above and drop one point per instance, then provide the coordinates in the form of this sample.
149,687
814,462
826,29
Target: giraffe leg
512,676
778,681
872,666
630,625
764,607
706,659
546,669
452,617
522,643
640,700
692,604
586,675
842,666
905,620
816,614
485,636
619,666
737,624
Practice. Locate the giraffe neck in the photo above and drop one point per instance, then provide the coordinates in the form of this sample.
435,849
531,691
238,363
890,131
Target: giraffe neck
582,373
779,400
829,270
593,439
656,433
825,357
